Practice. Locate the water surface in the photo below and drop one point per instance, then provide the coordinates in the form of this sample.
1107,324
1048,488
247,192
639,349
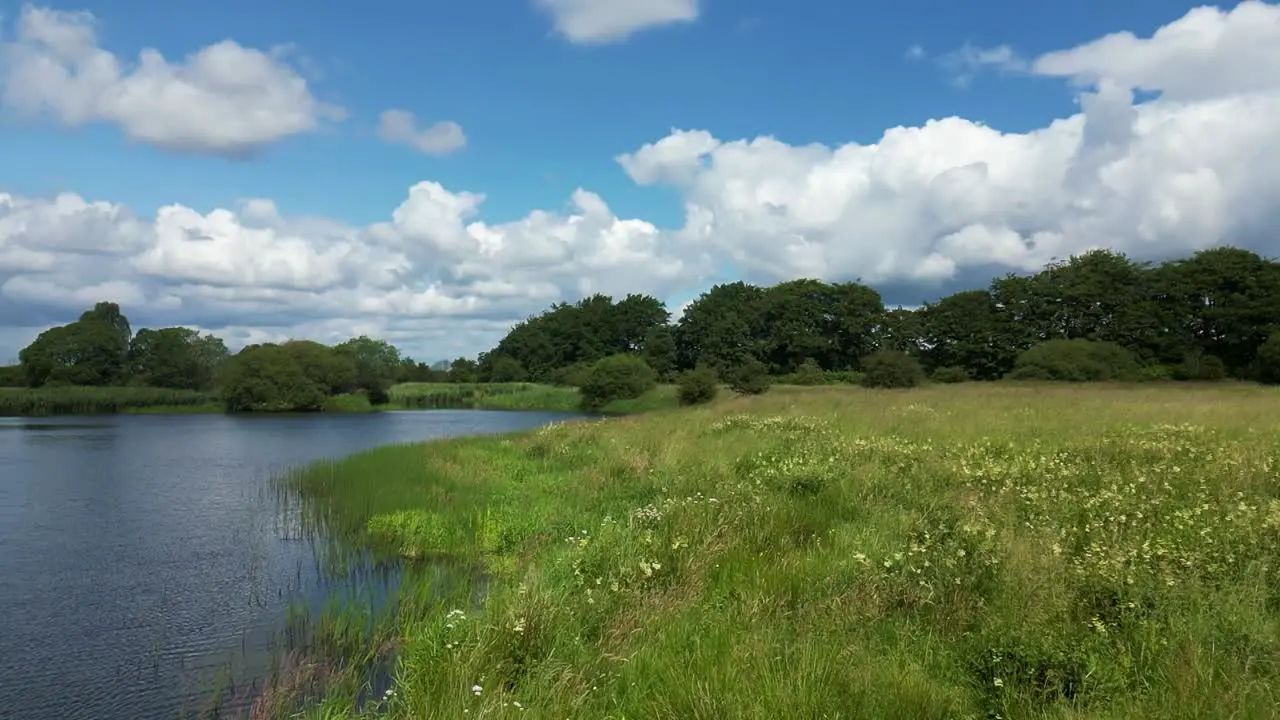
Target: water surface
142,555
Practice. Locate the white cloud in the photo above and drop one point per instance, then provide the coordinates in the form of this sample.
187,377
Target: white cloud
224,99
441,138
604,21
921,207
969,60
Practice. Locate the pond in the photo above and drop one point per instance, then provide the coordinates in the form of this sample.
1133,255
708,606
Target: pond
143,557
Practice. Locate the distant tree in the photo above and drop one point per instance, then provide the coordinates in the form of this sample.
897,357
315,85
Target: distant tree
968,330
951,374
891,369
809,373
659,350
463,370
377,364
1268,361
334,371
270,378
721,328
81,353
506,369
618,377
176,357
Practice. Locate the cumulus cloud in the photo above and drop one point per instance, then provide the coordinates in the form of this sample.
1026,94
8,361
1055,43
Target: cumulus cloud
604,21
224,99
919,210
441,138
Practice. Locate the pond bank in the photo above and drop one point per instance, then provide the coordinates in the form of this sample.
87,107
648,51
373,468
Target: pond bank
835,551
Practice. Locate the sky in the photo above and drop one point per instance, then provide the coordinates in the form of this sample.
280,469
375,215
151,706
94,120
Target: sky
432,172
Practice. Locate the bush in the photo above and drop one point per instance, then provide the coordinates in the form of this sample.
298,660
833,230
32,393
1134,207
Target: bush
809,373
951,374
574,375
1205,368
749,378
617,377
1158,373
1267,363
891,369
843,377
697,386
1076,360
12,376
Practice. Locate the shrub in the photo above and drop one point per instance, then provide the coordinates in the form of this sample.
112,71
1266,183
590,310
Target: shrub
846,377
1076,360
749,378
1268,361
1196,366
809,373
891,369
1157,373
12,376
574,375
697,386
617,377
951,374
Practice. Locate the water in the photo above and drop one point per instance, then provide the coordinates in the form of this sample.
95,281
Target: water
142,555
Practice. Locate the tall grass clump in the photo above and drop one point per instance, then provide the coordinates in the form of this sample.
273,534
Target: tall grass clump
100,400
952,551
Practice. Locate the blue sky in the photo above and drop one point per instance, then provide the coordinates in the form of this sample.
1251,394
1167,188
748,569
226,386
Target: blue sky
545,114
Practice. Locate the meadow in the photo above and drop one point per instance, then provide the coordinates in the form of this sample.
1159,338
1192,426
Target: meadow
968,551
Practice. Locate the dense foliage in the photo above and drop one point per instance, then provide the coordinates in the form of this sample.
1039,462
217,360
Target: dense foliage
697,386
1196,318
617,377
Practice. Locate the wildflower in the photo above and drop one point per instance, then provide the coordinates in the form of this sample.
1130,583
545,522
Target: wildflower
998,682
476,690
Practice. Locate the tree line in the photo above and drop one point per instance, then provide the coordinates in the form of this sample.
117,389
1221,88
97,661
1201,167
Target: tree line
1098,315
1093,316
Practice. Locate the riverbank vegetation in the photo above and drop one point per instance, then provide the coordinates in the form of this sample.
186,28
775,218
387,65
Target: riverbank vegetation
957,551
1094,317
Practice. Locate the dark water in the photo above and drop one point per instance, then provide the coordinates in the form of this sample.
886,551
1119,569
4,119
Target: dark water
141,556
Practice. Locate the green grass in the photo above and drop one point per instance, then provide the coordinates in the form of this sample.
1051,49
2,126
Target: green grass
516,396
99,400
963,551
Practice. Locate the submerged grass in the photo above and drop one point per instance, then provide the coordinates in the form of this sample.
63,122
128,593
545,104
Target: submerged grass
24,402
972,551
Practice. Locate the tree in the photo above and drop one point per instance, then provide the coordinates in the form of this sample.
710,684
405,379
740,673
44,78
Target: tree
968,330
270,378
721,328
750,377
891,369
377,364
1268,361
505,369
81,353
333,371
659,350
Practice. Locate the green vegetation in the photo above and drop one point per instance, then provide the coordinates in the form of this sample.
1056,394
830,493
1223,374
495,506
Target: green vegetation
518,396
698,386
960,551
1094,317
95,400
617,377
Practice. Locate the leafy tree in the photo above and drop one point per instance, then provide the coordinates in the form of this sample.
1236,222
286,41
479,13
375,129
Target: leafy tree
333,371
176,357
617,377
697,386
376,362
270,378
81,353
506,369
1075,360
463,370
891,369
721,328
749,377
968,330
659,350
1268,361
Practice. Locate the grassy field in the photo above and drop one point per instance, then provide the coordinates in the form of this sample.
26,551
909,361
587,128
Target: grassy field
971,551
97,400
516,396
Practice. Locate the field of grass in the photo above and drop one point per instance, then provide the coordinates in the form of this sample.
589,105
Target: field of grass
97,400
971,551
516,396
